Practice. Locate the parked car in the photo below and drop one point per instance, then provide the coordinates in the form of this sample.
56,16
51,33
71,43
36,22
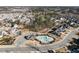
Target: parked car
27,37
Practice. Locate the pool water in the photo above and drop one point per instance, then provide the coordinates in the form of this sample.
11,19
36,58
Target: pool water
44,39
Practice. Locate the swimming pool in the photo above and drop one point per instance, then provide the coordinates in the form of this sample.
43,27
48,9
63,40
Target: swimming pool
44,39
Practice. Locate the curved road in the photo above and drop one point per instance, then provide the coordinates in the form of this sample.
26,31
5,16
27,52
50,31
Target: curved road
44,48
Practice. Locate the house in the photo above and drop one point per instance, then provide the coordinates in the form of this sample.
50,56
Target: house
15,32
2,33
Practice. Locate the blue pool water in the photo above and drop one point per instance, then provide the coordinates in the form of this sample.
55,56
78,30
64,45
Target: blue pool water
44,39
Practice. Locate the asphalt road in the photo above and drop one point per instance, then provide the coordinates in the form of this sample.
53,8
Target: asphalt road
43,48
20,41
61,43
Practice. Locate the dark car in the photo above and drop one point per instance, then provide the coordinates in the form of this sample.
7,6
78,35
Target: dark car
27,37
50,51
